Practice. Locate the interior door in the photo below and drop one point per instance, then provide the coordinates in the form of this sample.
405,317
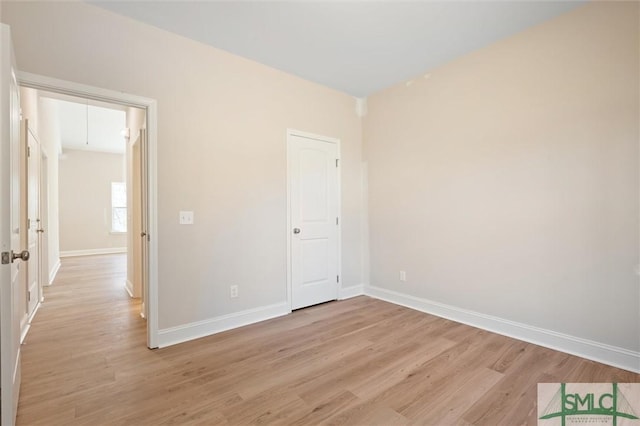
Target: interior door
43,240
33,221
10,309
313,196
144,211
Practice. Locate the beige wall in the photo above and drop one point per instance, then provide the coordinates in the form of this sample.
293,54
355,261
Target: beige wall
507,183
221,149
85,200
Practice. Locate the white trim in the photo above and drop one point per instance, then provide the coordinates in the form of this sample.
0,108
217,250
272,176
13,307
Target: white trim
92,252
151,107
128,285
33,314
24,329
27,325
349,292
195,330
54,271
595,351
290,133
55,85
151,283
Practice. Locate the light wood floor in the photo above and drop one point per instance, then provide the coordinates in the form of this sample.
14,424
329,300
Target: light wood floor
355,362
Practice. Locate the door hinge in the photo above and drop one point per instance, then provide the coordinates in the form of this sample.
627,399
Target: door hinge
6,258
337,221
28,151
337,161
28,296
337,278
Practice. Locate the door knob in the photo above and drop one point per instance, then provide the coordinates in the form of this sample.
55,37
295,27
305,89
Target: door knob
23,255
296,230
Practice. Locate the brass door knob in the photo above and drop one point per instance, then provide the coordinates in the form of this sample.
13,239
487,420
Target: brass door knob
23,255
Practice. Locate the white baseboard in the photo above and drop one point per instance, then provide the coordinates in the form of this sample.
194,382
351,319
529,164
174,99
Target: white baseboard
195,330
128,285
27,324
595,351
54,271
349,292
92,252
23,331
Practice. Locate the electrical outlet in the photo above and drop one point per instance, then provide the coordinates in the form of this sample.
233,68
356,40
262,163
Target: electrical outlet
403,276
233,291
186,218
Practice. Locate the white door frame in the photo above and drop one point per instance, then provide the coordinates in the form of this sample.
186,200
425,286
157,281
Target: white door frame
11,231
150,105
290,134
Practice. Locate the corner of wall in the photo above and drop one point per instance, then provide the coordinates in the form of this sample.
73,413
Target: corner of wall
361,107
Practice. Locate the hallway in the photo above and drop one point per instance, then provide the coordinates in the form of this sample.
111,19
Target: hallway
87,324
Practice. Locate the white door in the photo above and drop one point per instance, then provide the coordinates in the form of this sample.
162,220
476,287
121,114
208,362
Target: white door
10,309
314,219
33,220
141,168
43,242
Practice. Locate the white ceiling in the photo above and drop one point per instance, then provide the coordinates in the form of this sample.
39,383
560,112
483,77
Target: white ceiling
358,47
105,126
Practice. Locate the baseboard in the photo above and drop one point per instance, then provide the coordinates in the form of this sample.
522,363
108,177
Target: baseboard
27,324
92,252
195,330
54,271
24,331
128,285
595,351
349,292
33,314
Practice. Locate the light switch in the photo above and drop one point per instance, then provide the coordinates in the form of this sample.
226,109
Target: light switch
186,218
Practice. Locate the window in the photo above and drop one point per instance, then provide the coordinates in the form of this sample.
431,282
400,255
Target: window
118,207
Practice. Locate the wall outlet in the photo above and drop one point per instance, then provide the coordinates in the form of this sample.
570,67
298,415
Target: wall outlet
403,276
233,291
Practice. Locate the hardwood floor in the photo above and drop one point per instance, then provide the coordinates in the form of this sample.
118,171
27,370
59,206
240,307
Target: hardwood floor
355,362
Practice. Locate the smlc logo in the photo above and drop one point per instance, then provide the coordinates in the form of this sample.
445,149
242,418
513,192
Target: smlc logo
588,403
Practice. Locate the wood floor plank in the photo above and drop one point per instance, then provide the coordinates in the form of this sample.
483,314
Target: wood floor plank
357,362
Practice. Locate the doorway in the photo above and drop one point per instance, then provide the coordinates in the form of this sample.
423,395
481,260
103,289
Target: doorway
313,238
148,288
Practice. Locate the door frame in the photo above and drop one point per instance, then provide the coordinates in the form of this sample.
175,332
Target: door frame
11,230
36,81
290,134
